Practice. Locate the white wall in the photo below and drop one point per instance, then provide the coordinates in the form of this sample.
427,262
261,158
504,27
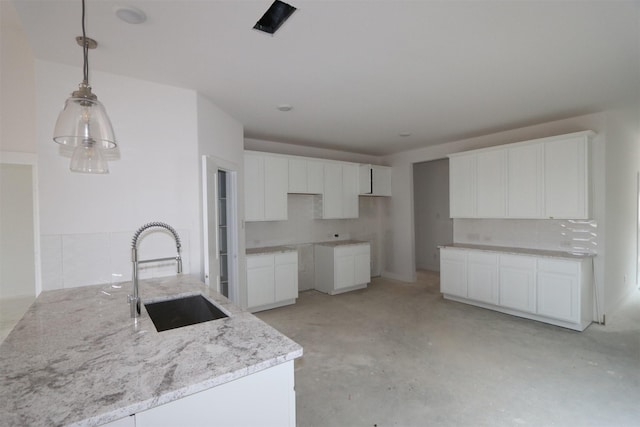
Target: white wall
433,226
17,92
301,150
220,136
621,221
87,220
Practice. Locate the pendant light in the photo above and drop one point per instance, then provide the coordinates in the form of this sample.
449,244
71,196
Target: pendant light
83,123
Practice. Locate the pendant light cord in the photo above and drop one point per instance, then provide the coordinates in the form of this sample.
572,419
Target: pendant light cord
85,47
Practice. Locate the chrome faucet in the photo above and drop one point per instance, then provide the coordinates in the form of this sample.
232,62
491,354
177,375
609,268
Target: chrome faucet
134,300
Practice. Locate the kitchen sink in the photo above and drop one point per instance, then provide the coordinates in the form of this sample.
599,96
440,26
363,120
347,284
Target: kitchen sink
183,311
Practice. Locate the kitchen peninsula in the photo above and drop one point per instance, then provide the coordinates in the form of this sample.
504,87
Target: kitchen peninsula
76,358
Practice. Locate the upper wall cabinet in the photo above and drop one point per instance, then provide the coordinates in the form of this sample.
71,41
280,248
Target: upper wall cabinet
543,178
375,180
305,176
266,185
566,186
462,186
340,197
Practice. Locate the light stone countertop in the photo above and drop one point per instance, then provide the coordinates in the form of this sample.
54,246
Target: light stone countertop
77,358
335,243
519,251
269,250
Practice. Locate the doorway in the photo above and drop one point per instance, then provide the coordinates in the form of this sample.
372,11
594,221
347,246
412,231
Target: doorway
432,226
220,226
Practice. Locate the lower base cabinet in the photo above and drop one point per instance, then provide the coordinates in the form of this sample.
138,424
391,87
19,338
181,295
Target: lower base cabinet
272,280
342,268
265,398
552,290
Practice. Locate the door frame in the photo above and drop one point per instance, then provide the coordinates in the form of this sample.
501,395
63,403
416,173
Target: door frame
210,206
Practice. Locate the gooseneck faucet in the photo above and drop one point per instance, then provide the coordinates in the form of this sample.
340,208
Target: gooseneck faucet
134,300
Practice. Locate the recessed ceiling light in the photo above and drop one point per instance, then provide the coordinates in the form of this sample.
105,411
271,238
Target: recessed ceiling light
274,17
131,15
285,107
404,134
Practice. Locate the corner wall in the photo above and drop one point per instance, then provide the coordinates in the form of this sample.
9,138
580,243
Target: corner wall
87,221
17,91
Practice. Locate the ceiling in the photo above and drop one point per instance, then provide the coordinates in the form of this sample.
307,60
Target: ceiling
359,73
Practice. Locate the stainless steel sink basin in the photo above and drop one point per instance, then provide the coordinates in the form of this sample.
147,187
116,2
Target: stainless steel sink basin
183,311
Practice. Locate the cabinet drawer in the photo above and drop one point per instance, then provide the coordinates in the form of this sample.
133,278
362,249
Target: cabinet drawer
256,261
559,266
518,261
286,258
344,250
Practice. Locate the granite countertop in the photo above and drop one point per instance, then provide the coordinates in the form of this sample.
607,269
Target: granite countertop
519,251
334,243
270,249
77,358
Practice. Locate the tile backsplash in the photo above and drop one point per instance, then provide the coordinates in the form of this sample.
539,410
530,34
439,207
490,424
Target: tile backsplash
560,235
71,260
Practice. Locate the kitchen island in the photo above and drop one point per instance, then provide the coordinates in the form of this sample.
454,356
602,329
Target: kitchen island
77,358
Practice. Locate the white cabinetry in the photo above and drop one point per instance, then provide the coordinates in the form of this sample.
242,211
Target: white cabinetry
375,180
525,181
552,290
340,195
462,186
342,268
544,178
518,282
305,176
272,280
559,289
565,175
453,272
265,398
266,185
482,274
491,184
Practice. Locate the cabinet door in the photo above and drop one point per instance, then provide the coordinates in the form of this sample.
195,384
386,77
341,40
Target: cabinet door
482,277
381,180
260,280
453,272
462,184
350,191
297,175
344,265
276,183
491,184
254,187
525,181
558,289
362,264
315,177
565,186
517,284
332,195
286,276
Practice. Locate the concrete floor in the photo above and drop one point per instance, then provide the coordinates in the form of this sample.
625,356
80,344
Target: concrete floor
397,354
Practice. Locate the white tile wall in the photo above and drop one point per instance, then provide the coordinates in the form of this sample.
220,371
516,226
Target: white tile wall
302,229
561,235
73,260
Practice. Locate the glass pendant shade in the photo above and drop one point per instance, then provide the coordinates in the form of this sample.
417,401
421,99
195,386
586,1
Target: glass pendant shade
84,119
88,158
